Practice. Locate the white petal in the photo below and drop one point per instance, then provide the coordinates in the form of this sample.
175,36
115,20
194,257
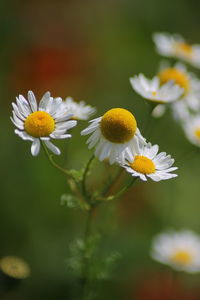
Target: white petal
32,101
52,147
35,147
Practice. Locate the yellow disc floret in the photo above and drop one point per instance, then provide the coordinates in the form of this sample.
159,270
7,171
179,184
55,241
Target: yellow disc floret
184,48
197,133
143,165
178,76
14,267
118,125
181,257
39,124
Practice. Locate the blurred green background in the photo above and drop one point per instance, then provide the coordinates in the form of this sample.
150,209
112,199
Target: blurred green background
88,50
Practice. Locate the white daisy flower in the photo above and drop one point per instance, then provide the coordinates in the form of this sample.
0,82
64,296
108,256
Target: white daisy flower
41,122
147,163
175,45
180,250
113,135
192,129
79,110
152,89
190,99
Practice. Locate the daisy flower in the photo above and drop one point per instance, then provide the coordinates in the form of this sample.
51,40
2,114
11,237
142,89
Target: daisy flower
146,162
151,89
175,45
192,129
190,99
180,76
79,110
41,122
113,135
180,250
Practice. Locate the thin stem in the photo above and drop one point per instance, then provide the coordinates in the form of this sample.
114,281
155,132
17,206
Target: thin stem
86,259
87,168
120,193
112,184
53,163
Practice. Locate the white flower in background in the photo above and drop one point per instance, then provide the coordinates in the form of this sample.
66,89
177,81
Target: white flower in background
190,99
152,90
79,110
175,45
192,129
147,163
180,250
41,122
113,135
180,76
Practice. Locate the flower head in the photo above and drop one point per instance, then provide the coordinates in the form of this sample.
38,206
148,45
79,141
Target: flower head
191,127
113,134
151,89
174,45
41,122
79,110
146,163
180,250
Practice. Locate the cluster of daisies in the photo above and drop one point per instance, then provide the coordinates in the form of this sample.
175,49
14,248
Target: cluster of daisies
115,135
174,86
116,138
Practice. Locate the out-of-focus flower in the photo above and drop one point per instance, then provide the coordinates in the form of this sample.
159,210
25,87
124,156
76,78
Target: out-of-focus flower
151,89
41,122
114,135
192,129
180,76
180,250
14,267
190,100
79,110
146,162
175,45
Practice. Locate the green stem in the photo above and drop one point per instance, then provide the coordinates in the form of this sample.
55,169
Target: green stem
120,193
86,259
87,168
53,163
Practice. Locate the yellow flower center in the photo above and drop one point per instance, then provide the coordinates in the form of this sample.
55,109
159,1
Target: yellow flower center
14,267
142,164
197,133
118,125
39,124
182,257
185,48
178,76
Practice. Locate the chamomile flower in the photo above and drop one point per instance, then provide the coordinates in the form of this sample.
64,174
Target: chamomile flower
180,76
175,45
41,122
79,110
147,163
192,129
190,99
180,250
151,89
113,135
